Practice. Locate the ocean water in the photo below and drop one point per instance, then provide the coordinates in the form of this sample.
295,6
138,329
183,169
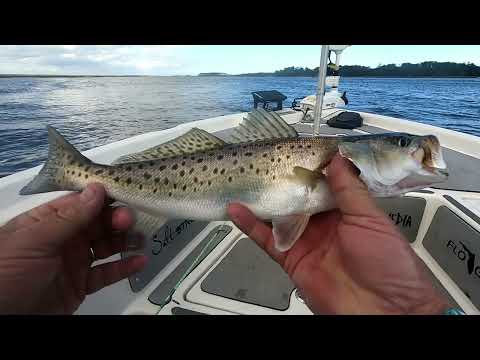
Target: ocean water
95,111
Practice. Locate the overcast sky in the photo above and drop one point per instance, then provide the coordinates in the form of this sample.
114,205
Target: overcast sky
191,60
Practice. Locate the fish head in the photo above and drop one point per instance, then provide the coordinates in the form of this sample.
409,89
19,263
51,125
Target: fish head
394,164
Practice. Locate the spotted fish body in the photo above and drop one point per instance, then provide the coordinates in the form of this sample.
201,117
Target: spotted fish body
271,170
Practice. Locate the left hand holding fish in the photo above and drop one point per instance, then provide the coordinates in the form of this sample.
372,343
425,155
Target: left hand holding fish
46,254
352,260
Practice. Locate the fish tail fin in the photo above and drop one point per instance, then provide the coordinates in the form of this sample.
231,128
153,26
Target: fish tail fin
50,177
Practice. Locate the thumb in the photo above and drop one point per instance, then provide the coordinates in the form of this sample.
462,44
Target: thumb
351,194
64,217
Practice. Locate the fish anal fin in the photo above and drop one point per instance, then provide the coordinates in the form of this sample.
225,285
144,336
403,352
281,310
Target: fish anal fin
287,230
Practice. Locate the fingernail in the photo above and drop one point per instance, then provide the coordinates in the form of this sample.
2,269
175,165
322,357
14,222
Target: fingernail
88,194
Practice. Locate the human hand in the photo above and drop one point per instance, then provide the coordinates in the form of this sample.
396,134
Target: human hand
46,257
352,260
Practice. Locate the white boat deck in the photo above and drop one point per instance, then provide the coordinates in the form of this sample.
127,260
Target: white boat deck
213,269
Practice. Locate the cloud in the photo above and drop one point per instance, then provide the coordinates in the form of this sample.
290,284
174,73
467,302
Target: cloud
89,59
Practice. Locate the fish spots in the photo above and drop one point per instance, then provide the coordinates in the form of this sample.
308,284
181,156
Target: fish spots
219,157
129,181
309,146
183,163
235,162
87,168
273,177
140,166
222,171
68,171
272,159
229,179
194,189
292,147
215,170
264,155
175,167
313,153
192,158
72,162
190,171
86,176
161,168
248,154
79,174
279,159
234,153
170,194
140,187
155,190
73,172
199,160
201,183
117,179
242,170
288,157
257,171
209,183
151,163
182,172
266,172
195,180
111,172
147,176
184,187
175,186
204,168
279,147
300,146
165,181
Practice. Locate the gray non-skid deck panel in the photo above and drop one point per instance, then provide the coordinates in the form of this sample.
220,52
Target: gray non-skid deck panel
164,245
455,246
406,213
182,311
464,172
161,295
466,211
249,275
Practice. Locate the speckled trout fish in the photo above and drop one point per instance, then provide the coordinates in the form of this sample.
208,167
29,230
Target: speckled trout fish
266,166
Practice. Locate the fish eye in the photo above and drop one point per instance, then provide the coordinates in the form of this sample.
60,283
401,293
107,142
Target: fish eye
402,142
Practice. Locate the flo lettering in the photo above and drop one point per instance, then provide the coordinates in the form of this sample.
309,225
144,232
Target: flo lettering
464,254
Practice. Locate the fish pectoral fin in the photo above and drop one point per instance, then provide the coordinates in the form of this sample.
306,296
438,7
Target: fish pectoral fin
287,230
192,141
308,177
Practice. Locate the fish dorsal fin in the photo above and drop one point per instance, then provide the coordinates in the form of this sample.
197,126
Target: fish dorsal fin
261,124
192,141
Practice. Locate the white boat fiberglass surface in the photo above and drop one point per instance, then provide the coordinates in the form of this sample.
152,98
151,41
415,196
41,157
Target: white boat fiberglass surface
213,268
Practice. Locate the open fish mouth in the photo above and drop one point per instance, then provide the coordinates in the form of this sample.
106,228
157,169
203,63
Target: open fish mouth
429,155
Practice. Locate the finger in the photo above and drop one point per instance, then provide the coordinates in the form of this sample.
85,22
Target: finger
121,218
64,217
103,275
256,230
351,194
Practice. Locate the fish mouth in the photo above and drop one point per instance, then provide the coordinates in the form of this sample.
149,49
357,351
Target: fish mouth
432,157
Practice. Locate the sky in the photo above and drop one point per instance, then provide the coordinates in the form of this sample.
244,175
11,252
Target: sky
194,59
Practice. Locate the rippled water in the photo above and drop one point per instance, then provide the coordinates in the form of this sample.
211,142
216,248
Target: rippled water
96,111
